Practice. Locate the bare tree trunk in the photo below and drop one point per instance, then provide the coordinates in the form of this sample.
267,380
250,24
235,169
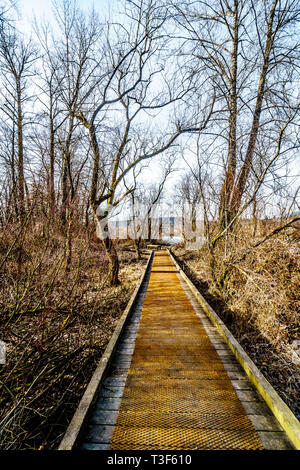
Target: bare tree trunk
86,214
113,260
13,174
149,222
21,192
110,250
254,218
237,194
68,242
229,180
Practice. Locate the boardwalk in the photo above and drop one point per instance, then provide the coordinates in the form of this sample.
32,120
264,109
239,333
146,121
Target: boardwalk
175,384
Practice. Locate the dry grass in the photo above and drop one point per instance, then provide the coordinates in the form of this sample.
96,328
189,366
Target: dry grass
262,305
56,325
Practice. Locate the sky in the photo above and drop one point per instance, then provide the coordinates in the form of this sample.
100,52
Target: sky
40,8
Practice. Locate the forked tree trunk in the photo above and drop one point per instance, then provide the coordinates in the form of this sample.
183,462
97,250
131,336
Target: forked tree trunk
21,190
51,188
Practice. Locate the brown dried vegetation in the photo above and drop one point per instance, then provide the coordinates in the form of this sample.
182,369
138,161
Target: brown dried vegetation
56,323
262,304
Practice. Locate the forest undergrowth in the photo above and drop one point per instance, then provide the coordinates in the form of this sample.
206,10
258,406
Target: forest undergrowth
261,306
56,322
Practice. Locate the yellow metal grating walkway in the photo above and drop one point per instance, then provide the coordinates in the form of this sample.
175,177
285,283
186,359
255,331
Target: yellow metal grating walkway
177,393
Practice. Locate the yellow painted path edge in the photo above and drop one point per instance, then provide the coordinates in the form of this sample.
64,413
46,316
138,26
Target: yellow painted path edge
92,391
280,410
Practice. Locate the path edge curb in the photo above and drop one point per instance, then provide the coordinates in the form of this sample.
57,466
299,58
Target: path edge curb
91,393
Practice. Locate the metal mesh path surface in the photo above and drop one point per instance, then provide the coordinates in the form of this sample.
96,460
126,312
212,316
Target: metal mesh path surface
177,393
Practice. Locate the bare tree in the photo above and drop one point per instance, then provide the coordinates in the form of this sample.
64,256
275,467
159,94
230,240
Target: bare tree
144,199
52,115
252,62
16,63
249,54
116,108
